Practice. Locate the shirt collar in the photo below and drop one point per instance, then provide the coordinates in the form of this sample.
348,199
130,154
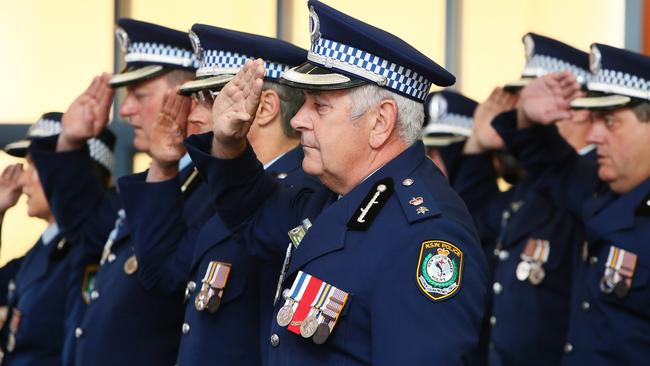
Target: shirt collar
185,161
50,233
268,165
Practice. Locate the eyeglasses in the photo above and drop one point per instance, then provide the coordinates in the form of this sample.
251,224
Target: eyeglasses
204,96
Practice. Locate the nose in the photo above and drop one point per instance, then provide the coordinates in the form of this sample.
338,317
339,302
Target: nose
301,121
24,177
596,133
128,107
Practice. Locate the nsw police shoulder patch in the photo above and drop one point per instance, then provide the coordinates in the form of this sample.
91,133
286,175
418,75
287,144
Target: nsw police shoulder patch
439,269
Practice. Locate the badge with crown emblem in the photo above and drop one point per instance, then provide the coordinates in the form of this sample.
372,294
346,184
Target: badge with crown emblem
314,25
439,269
122,39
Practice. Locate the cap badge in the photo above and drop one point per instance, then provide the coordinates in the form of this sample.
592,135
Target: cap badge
196,46
594,60
122,39
438,107
529,45
314,25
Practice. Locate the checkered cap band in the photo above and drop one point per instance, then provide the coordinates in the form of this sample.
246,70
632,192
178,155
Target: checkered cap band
159,53
539,65
450,121
218,62
101,154
617,82
43,128
328,53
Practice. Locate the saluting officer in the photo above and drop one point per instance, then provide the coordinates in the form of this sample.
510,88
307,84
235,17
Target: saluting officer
46,291
228,292
126,305
383,265
535,243
609,322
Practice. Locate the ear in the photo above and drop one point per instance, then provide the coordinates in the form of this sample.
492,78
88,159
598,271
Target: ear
383,123
268,108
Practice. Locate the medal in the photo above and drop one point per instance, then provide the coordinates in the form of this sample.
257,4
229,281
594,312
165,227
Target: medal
322,333
201,300
308,326
213,304
621,289
285,314
131,265
537,274
606,284
523,270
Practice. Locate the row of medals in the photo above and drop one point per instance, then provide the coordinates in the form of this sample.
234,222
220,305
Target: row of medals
531,271
208,298
310,327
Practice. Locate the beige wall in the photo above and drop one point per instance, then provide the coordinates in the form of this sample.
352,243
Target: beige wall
492,52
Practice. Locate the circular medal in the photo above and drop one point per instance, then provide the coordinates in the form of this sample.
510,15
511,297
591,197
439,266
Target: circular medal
322,333
308,326
284,315
200,301
523,271
621,289
537,274
606,285
131,265
213,304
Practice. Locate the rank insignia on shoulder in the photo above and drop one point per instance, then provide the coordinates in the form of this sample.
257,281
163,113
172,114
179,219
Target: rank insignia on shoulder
439,269
371,205
88,284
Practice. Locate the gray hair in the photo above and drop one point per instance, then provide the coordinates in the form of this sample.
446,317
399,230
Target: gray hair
291,99
642,111
410,113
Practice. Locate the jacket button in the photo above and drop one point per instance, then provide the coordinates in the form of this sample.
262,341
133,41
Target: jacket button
185,328
593,260
568,348
111,258
497,288
283,176
94,295
504,255
191,286
78,332
493,320
407,182
585,305
275,340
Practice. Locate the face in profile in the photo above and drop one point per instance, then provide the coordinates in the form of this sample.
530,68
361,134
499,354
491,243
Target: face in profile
37,205
141,105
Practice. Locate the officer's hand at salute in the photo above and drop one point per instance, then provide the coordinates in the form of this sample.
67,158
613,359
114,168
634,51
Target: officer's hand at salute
167,135
546,100
484,137
87,116
10,187
234,110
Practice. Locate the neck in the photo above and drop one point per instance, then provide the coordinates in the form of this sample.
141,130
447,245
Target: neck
361,170
269,142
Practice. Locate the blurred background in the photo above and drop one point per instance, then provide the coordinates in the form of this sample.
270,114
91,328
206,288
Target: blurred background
51,49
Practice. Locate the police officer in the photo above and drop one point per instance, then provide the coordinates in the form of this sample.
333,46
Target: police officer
384,265
534,243
610,296
448,120
46,287
228,293
125,306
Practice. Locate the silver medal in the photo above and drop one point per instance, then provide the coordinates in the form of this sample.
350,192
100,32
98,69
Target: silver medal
523,270
537,274
285,314
308,326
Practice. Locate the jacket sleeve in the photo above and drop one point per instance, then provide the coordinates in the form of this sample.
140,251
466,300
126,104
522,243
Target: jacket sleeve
257,209
84,210
162,240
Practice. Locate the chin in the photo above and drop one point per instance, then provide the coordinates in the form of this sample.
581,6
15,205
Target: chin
311,168
140,145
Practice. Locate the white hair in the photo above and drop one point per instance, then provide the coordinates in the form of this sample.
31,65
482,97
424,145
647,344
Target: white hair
410,113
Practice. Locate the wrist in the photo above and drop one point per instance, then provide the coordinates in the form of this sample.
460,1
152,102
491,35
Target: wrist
522,120
65,143
228,150
472,146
